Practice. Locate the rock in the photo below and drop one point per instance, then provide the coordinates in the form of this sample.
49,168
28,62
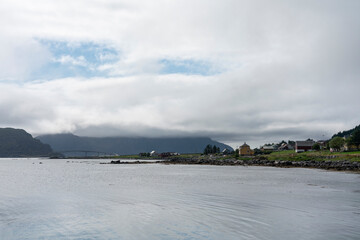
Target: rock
115,162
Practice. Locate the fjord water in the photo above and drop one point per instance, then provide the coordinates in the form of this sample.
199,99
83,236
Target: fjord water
76,199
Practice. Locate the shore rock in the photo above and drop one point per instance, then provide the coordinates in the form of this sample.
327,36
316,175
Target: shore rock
339,165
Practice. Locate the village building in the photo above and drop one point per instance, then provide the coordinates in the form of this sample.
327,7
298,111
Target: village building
245,150
285,146
323,144
268,148
303,146
226,151
154,154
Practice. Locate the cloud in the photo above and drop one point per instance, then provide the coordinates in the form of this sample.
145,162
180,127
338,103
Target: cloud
19,58
234,70
181,106
78,61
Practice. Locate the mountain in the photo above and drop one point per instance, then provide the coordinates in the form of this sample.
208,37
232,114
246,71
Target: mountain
19,143
346,133
127,145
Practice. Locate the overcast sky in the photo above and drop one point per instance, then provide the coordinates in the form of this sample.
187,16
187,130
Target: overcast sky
235,70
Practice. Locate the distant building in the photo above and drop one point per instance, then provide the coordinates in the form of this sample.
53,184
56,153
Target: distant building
285,146
154,154
304,146
165,154
268,148
226,151
323,144
244,150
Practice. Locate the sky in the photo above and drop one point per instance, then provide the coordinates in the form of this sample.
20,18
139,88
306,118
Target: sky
237,71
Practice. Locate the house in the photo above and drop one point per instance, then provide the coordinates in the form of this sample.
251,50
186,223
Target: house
226,151
304,146
154,154
285,146
268,148
323,144
350,147
165,154
244,150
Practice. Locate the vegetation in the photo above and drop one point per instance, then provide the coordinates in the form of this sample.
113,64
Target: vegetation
316,147
236,153
147,154
290,155
209,149
346,133
337,143
354,139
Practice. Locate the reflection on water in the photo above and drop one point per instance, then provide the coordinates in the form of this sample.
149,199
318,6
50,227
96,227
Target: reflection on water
87,200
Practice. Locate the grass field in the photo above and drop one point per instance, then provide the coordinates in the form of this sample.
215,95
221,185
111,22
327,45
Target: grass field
314,155
289,155
136,156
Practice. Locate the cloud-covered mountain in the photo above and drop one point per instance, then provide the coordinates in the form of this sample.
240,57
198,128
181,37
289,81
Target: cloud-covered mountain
128,145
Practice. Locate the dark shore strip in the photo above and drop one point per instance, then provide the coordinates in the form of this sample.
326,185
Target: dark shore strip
339,165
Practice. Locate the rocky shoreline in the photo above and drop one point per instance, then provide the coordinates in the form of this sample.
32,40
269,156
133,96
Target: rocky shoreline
336,165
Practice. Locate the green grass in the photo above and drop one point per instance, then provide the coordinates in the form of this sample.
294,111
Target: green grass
136,156
288,155
314,155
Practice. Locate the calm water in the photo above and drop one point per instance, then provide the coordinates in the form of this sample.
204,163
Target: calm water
87,200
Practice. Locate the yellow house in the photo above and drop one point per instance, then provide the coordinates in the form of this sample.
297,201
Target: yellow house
245,150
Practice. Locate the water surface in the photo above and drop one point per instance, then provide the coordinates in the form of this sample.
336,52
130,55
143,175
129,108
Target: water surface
76,199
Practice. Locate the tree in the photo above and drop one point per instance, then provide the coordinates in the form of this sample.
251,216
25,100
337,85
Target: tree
355,138
208,149
214,150
316,147
337,143
236,153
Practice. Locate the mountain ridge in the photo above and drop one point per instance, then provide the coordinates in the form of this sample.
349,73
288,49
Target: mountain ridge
128,145
19,143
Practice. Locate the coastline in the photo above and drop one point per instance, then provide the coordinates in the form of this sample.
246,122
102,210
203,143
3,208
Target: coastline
334,165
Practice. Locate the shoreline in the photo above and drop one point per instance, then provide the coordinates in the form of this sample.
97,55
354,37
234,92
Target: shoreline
333,165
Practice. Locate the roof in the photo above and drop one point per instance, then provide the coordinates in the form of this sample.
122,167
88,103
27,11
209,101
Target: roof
244,145
305,143
265,147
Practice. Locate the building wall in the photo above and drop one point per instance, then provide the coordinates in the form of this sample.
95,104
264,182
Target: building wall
246,151
303,148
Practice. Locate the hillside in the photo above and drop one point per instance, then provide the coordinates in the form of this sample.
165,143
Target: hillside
19,143
346,132
128,145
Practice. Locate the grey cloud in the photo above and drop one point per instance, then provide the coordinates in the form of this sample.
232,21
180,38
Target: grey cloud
290,70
